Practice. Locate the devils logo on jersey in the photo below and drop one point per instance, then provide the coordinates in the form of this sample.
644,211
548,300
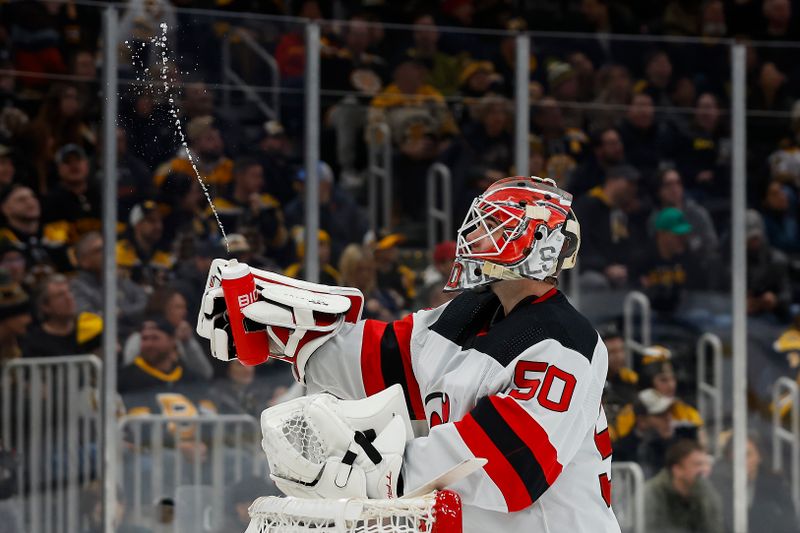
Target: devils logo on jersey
439,409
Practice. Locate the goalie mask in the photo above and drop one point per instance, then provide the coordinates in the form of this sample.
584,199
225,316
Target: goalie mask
520,228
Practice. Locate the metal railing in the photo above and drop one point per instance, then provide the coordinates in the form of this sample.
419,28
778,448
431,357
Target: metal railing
439,178
51,420
627,479
232,77
786,397
709,390
379,176
633,300
223,449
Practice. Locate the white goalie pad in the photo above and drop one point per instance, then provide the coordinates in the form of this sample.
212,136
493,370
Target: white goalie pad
321,447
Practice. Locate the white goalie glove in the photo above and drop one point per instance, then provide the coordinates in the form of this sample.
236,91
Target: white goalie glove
296,316
321,447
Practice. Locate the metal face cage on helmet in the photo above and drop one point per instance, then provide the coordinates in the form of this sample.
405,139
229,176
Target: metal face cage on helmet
520,228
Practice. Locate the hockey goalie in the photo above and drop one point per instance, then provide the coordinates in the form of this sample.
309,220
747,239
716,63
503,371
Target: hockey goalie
507,376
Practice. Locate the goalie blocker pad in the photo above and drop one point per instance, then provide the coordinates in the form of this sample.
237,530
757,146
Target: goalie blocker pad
298,316
321,447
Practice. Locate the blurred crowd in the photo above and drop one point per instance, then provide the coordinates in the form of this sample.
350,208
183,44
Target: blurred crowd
637,130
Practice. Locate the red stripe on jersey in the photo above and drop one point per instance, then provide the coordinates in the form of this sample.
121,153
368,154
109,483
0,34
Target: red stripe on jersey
603,442
498,468
546,296
605,488
531,433
402,330
371,373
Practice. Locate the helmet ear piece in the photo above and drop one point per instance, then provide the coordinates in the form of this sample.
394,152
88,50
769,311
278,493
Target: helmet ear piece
572,243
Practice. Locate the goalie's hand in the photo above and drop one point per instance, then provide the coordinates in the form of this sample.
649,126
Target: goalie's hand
296,321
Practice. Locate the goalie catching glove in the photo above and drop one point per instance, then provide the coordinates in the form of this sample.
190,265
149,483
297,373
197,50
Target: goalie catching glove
296,316
319,446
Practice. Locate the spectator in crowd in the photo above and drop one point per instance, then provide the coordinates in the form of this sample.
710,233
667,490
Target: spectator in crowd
352,69
171,305
357,267
240,391
141,254
13,262
563,83
339,215
705,151
438,271
679,498
445,68
768,284
768,91
647,140
769,503
61,329
247,210
621,382
91,510
609,151
274,153
551,132
608,234
667,268
290,52
603,17
193,272
241,249
328,275
703,239
22,229
483,154
134,180
15,316
61,113
157,366
392,274
72,208
152,140
476,80
657,81
781,218
651,435
420,123
207,149
87,286
615,90
186,215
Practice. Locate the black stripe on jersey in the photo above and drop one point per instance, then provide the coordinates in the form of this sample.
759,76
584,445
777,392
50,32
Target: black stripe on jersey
392,364
526,325
512,447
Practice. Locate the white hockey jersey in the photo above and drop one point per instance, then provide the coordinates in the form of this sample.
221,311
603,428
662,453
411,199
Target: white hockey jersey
522,391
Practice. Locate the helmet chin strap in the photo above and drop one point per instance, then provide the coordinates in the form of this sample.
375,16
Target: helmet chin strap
499,271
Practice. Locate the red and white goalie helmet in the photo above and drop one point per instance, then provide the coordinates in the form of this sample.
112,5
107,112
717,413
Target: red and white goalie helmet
519,228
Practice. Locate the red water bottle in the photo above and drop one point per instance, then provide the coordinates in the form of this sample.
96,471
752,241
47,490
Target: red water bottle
239,288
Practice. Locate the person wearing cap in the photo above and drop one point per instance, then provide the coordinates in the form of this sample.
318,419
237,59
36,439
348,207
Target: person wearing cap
239,248
652,433
207,148
15,316
554,135
769,289
87,286
73,206
658,373
61,329
610,238
670,192
275,155
190,272
246,209
339,214
680,498
392,273
140,253
22,228
667,268
563,82
327,273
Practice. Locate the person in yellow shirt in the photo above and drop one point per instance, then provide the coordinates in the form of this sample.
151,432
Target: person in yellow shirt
327,273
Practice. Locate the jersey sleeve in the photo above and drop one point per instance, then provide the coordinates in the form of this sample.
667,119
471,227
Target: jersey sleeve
528,432
369,356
